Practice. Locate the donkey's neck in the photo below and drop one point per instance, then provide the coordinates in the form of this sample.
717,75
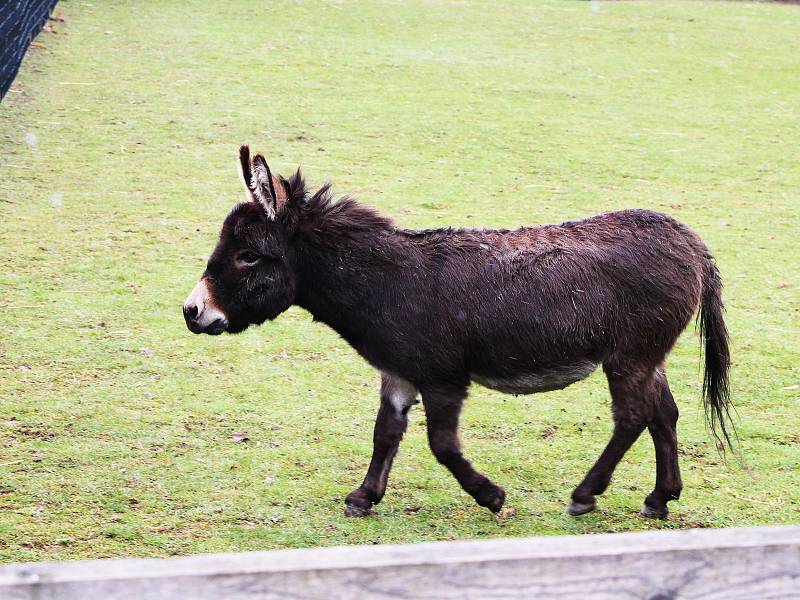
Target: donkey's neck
344,269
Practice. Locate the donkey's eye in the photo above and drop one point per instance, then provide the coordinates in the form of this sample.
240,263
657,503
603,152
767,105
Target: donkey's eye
248,257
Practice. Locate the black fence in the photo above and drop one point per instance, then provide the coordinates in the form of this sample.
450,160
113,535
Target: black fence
20,22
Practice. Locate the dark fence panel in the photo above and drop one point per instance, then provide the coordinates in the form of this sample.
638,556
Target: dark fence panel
20,22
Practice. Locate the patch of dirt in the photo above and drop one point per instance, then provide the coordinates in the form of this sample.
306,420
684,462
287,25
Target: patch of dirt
549,432
33,432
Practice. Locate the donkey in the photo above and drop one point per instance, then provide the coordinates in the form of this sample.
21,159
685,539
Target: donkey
521,311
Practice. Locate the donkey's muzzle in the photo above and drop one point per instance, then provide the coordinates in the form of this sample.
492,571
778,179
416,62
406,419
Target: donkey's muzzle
200,312
195,325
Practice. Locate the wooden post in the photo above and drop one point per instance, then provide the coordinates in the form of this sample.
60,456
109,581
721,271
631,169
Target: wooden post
758,563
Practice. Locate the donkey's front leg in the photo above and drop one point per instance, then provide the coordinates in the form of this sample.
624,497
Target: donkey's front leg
397,397
442,408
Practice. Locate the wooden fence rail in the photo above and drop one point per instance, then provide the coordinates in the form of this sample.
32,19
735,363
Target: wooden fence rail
757,563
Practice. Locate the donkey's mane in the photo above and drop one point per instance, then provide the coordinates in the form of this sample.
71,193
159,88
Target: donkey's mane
323,209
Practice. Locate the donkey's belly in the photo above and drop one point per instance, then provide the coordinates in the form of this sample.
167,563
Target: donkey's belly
555,378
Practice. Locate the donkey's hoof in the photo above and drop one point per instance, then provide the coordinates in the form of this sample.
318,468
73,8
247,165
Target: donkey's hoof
357,504
576,509
351,510
491,496
654,513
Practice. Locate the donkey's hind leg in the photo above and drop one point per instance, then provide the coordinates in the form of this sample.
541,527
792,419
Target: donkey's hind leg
397,397
665,439
633,394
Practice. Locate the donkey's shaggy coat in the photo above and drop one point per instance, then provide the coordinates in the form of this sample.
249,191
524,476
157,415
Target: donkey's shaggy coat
523,311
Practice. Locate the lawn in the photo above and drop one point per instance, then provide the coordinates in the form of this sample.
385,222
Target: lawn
121,433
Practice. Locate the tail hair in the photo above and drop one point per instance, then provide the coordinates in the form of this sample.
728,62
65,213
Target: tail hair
714,335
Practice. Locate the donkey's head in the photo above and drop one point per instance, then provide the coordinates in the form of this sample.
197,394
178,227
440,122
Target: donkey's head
250,276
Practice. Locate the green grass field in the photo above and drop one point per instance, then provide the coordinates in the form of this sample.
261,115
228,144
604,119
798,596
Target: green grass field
117,165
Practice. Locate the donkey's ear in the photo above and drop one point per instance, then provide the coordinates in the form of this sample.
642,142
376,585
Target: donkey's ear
263,188
245,171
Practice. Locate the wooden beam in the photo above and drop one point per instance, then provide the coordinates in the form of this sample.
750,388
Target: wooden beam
762,563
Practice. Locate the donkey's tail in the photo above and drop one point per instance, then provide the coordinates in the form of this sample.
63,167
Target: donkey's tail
714,334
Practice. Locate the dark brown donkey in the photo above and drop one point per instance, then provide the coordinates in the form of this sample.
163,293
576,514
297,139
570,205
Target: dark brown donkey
522,311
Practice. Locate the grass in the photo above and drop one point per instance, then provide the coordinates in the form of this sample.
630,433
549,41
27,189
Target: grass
117,153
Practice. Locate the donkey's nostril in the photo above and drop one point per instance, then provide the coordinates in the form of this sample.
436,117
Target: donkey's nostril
190,312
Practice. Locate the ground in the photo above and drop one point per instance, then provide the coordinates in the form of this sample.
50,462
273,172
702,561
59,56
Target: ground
123,434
